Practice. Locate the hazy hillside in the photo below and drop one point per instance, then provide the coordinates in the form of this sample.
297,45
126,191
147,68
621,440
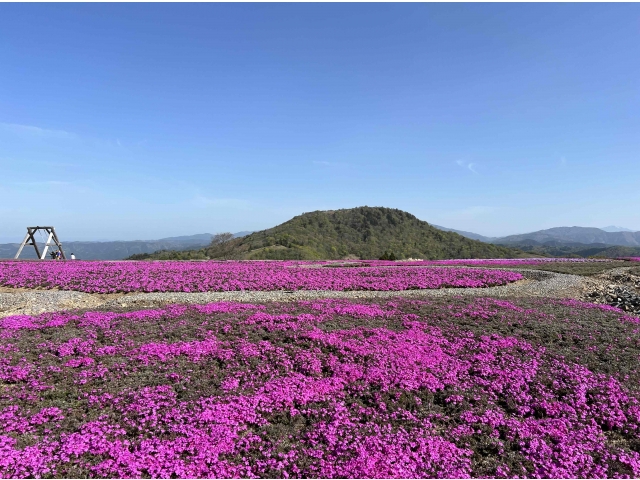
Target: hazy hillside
116,250
561,239
562,249
614,228
575,249
574,234
473,236
568,241
364,232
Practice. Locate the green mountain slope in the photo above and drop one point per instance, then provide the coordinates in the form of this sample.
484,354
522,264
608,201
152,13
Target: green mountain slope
573,249
364,232
618,251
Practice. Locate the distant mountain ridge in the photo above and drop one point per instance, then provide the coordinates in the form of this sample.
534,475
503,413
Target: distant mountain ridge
363,232
613,228
471,235
569,241
574,234
116,250
567,235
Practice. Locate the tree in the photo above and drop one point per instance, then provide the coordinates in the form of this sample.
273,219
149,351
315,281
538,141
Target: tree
388,256
220,238
220,246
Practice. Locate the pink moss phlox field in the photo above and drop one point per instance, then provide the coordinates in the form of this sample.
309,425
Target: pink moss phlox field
631,259
324,388
111,277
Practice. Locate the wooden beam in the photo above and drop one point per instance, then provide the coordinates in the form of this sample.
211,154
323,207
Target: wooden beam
46,246
32,232
24,242
55,238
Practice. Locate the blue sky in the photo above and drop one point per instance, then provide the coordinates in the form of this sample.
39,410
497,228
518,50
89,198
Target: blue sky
139,121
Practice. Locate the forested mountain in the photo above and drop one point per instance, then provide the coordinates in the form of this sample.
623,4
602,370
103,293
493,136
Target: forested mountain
364,232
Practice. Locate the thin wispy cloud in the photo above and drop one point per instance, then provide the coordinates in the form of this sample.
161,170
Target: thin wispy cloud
203,202
43,183
47,163
61,164
473,212
468,165
55,164
467,218
480,210
32,131
323,163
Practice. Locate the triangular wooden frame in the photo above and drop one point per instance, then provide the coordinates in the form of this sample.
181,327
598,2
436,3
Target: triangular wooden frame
30,239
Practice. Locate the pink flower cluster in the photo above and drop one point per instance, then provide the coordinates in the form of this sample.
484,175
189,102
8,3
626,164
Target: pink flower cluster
110,277
631,259
315,389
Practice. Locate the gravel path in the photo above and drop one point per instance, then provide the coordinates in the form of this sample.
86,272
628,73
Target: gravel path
537,283
38,301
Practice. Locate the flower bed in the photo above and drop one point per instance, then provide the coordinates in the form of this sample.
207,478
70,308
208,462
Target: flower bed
110,277
325,389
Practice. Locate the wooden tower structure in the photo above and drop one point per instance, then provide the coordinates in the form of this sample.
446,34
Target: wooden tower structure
30,239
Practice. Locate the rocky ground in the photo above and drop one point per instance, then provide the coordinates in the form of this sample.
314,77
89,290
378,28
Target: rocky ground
616,287
619,288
